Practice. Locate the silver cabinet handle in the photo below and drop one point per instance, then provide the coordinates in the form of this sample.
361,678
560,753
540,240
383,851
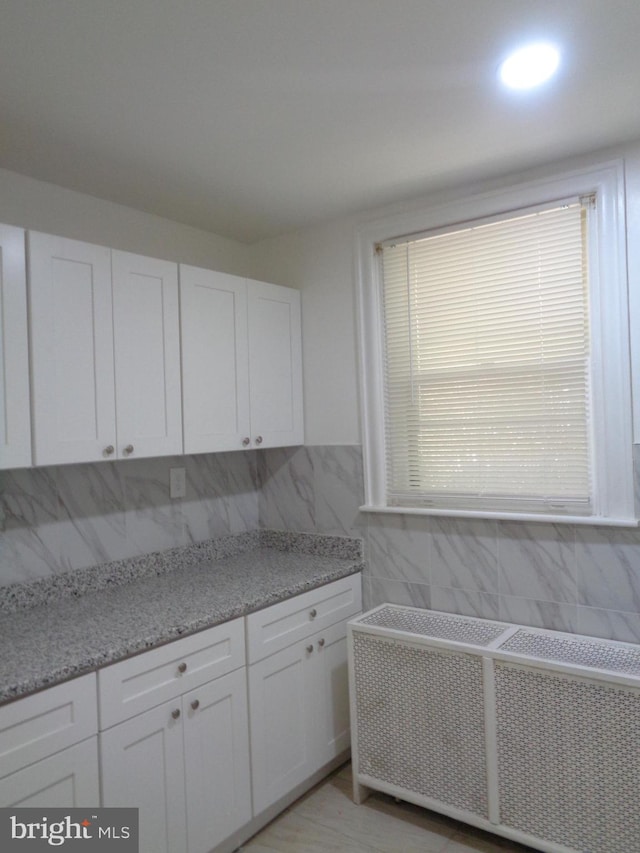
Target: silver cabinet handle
182,667
321,642
259,439
246,441
195,704
309,648
128,450
176,713
109,450
313,613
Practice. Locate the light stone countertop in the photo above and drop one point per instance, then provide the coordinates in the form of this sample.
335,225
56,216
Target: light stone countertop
83,629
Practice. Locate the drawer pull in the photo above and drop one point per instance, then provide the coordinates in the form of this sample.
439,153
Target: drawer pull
321,642
309,648
313,613
195,704
176,713
182,668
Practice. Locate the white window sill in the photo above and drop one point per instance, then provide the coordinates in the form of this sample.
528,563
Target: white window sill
592,520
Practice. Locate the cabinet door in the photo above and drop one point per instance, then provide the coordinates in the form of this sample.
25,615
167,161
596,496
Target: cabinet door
216,748
215,360
147,356
68,779
15,414
281,700
142,767
71,349
332,703
275,365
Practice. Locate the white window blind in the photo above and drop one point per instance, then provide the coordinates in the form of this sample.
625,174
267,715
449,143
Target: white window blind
487,364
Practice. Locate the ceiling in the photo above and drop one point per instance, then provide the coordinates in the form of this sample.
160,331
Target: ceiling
250,118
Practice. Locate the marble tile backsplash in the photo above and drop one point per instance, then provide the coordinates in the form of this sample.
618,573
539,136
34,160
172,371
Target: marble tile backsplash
74,516
564,577
578,579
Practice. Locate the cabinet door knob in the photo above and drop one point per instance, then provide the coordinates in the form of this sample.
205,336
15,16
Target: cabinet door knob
258,439
109,450
313,613
175,713
309,648
321,642
182,667
246,441
195,704
128,450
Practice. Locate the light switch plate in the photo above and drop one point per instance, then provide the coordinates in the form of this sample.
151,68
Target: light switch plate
177,483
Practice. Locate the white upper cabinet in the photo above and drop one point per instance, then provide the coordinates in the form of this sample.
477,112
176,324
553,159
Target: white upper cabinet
105,353
147,355
241,362
15,418
275,365
71,350
215,360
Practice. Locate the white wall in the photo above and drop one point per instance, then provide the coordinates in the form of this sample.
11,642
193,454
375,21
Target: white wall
28,203
320,261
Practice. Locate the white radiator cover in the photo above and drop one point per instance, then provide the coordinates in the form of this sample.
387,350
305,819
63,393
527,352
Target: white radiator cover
528,733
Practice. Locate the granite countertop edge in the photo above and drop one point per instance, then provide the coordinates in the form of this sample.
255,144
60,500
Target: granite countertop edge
58,629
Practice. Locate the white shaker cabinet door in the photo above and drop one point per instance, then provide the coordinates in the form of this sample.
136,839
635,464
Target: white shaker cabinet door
332,725
217,773
275,365
147,356
72,350
15,414
141,762
281,708
215,360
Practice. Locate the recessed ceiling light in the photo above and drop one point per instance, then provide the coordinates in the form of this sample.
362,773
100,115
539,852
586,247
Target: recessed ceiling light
530,66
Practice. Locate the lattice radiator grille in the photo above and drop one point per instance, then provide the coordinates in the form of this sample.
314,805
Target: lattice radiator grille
568,759
591,653
442,626
421,721
534,735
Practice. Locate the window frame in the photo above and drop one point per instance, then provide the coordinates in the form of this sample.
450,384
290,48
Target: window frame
612,468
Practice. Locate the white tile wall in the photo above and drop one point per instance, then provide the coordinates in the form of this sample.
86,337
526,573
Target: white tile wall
584,579
73,516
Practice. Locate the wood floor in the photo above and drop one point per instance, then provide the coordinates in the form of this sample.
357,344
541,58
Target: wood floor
327,821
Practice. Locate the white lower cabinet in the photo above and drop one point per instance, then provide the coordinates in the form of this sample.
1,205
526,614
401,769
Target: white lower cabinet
68,779
142,766
299,713
216,759
48,747
183,763
175,729
299,694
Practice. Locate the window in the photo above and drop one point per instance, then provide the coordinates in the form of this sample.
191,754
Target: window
495,356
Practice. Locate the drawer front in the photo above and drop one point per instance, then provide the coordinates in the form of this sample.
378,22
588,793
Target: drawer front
41,725
132,686
277,627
